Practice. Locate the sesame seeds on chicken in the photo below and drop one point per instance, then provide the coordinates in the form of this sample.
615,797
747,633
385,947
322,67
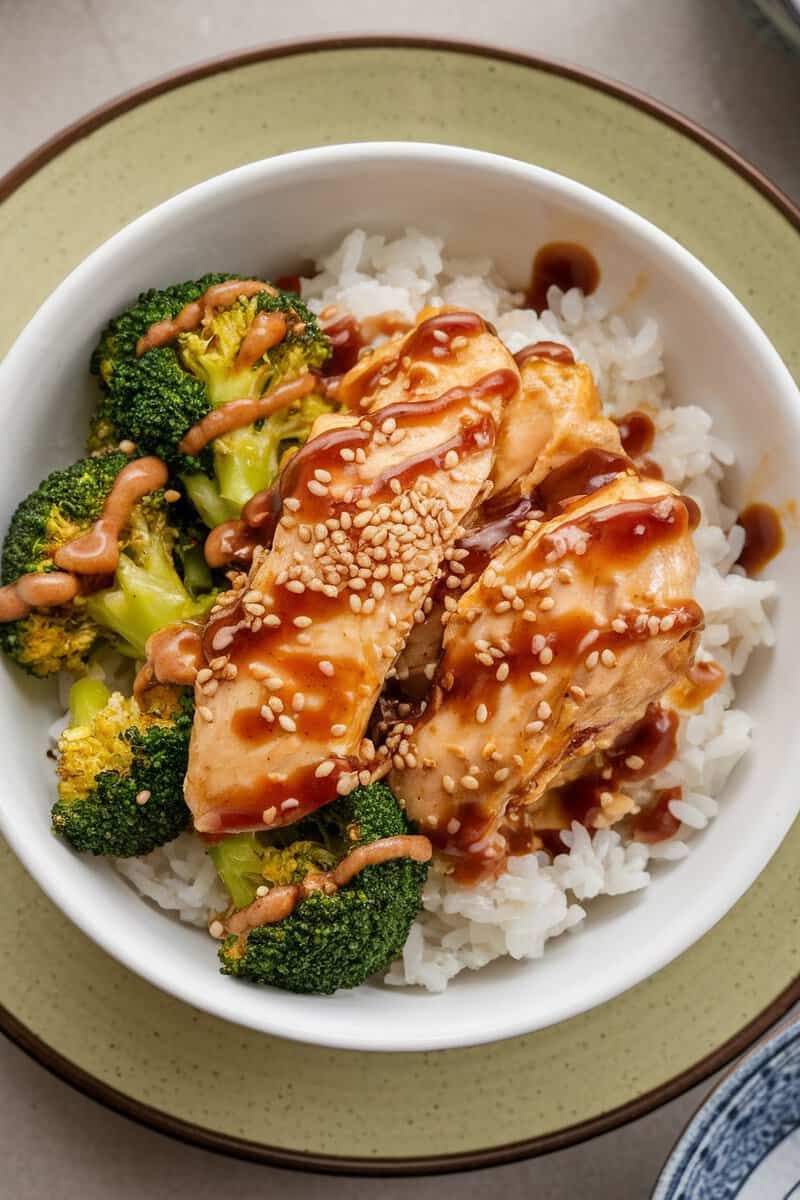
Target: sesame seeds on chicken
299,649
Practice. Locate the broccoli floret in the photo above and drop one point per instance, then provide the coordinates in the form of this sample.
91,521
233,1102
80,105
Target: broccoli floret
147,591
329,941
121,771
154,400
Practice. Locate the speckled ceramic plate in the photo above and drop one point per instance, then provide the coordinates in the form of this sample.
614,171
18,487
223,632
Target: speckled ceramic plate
188,1074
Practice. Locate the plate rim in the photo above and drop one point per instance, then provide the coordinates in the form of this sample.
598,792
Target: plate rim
186,1131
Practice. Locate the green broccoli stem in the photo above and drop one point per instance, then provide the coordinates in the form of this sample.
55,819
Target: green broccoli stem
144,599
87,698
204,495
196,571
238,859
246,461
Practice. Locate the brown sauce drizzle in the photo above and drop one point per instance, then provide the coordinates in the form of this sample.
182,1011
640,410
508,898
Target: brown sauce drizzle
637,433
564,265
644,750
763,537
96,552
324,450
552,350
503,515
266,331
174,656
701,682
582,475
40,589
656,823
192,315
237,414
289,283
347,341
428,342
232,542
280,902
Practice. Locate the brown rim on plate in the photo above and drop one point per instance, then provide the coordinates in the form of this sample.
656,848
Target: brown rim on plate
439,1164
209,1139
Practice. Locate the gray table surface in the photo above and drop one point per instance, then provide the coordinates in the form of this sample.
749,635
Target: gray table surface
709,58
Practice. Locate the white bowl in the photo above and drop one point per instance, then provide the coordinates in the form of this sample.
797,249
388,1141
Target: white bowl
266,217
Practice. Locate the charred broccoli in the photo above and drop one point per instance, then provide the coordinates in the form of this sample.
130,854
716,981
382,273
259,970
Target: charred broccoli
147,591
121,770
329,941
155,399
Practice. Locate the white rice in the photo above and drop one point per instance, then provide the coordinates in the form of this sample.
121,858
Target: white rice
537,899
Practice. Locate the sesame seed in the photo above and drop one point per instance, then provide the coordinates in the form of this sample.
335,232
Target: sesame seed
346,784
355,603
538,677
326,667
634,762
338,730
206,713
325,768
322,475
267,713
217,930
481,714
543,710
316,488
450,460
667,623
269,815
546,656
143,796
204,675
546,603
608,658
502,672
470,783
619,625
592,660
290,803
577,692
276,704
287,723
273,682
262,890
294,585
534,727
449,784
292,503
272,621
502,774
298,701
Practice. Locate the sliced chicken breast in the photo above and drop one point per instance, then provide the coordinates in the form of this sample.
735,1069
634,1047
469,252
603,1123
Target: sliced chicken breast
576,624
553,429
297,656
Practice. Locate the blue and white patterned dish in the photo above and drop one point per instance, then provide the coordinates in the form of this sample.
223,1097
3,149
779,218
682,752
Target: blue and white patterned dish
744,1143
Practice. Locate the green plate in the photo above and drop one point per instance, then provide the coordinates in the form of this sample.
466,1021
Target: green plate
183,1072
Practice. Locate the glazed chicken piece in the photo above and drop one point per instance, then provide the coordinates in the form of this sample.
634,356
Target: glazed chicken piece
556,419
296,658
573,628
556,415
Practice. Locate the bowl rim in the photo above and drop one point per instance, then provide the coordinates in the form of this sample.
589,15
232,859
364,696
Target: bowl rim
701,918
142,1112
